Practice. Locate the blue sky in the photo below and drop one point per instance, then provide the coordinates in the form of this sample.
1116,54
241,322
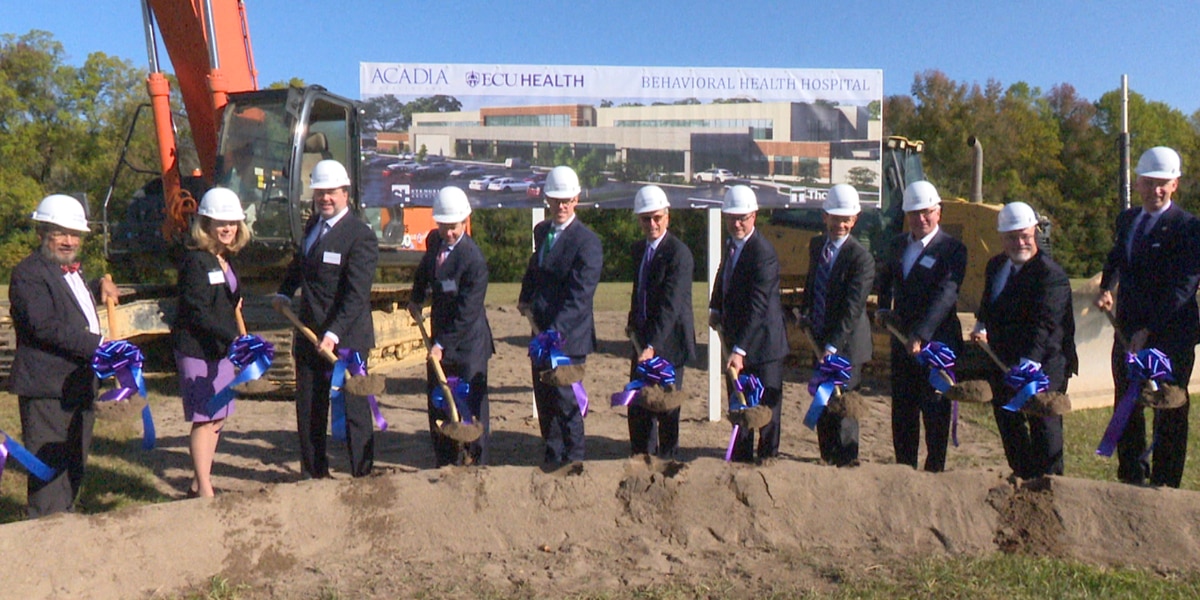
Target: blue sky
1087,44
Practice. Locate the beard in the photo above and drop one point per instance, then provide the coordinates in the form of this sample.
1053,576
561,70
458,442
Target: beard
57,258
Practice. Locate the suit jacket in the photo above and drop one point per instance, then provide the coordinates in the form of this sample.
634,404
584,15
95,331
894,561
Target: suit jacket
54,346
924,302
846,325
1158,282
669,325
751,313
559,287
1032,317
457,290
334,279
205,324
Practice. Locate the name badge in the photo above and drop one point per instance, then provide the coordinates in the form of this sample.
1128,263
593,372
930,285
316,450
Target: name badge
332,258
927,262
216,277
449,286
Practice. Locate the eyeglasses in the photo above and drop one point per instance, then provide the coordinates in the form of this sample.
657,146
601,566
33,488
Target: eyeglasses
739,218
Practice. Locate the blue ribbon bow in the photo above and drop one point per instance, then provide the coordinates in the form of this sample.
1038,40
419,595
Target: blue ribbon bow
1146,365
123,361
939,358
653,371
833,371
751,388
460,388
251,354
349,361
545,351
1026,379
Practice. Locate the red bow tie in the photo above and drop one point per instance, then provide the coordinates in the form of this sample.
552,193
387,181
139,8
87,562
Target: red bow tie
71,268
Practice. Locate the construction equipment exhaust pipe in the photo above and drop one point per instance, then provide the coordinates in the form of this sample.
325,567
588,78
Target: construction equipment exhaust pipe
976,170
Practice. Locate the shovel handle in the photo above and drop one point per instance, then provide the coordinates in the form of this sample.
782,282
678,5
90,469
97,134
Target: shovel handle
241,321
633,339
903,339
992,354
110,305
286,311
1112,319
438,372
732,375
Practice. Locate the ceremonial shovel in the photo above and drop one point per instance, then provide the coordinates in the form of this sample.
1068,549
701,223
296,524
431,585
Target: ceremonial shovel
369,385
1046,404
132,406
968,391
454,429
849,404
753,417
254,386
560,376
1153,394
652,396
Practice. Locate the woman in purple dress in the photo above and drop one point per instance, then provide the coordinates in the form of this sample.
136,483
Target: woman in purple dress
206,324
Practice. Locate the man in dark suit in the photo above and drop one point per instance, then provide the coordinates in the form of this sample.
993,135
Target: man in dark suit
454,275
556,293
919,287
1025,316
1156,260
333,269
746,309
660,315
58,332
839,280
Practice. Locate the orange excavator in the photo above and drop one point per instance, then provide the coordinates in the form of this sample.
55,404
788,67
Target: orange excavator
260,143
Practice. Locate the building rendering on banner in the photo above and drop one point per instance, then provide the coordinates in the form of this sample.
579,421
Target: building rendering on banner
803,124
789,139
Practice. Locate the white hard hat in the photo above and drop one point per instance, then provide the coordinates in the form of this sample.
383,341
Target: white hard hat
329,174
451,205
920,195
221,204
739,200
650,198
62,210
562,183
1016,216
842,201
1159,162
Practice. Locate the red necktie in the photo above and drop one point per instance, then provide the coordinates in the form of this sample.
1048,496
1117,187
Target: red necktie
71,268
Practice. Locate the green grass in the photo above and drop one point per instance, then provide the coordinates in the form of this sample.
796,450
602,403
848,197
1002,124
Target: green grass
609,296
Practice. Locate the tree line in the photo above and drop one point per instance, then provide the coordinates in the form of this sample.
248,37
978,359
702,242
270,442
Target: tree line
62,128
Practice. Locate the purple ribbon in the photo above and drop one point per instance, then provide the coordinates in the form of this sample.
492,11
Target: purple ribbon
460,388
833,371
352,363
653,371
122,361
251,354
1146,365
1026,379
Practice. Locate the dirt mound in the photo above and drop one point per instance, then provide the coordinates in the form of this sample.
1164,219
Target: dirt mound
612,523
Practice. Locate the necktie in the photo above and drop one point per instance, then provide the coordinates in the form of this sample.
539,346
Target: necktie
820,288
643,279
729,264
71,268
911,253
550,235
1139,234
319,232
441,258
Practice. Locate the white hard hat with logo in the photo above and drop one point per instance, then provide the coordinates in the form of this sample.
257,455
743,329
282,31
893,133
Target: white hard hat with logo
451,205
842,201
739,200
221,204
1159,162
920,195
62,210
650,198
562,183
329,174
1016,216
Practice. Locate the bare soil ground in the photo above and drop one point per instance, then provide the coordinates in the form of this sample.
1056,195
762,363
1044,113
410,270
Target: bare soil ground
613,526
